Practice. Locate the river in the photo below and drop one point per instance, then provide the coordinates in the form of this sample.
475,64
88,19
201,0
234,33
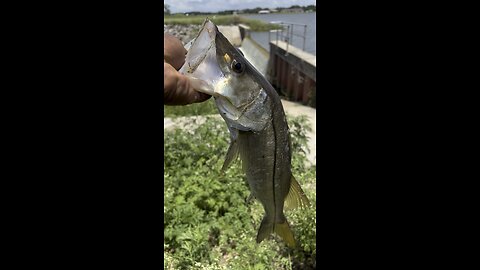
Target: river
310,19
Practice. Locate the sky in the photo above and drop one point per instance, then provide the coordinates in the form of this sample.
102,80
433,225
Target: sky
220,5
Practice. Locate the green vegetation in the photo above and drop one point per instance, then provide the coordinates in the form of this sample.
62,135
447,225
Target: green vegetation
208,223
255,25
204,108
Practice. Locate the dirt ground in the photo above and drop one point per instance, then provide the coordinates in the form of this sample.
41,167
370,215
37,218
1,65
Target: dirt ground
296,109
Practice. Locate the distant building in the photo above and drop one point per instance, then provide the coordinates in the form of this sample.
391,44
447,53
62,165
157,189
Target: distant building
273,10
265,11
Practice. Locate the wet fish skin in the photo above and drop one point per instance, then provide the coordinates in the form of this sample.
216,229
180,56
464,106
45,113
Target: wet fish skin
256,120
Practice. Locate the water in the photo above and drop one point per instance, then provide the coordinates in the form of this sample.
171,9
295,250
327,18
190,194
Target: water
310,19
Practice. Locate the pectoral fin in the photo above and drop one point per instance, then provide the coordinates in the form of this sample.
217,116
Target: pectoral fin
296,197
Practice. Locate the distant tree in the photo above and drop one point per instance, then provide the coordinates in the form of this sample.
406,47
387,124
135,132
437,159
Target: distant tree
166,9
226,12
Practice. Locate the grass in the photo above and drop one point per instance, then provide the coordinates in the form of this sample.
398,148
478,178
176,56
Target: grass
208,223
255,25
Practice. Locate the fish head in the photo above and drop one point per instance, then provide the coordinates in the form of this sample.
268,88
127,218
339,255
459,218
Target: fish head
217,68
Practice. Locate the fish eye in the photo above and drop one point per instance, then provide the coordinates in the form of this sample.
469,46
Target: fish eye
237,66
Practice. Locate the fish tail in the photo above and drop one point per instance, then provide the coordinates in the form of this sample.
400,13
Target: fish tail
282,229
266,228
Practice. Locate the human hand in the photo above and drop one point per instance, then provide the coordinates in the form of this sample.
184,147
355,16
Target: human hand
177,88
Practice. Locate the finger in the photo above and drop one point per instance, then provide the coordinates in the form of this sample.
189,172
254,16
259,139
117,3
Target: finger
173,52
183,93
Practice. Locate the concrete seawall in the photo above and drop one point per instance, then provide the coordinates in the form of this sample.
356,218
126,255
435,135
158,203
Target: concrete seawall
293,72
255,54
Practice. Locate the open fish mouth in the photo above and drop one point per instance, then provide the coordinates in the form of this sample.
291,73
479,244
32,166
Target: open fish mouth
215,67
201,64
208,65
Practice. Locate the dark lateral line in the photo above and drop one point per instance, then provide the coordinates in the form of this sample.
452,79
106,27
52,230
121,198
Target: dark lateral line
274,166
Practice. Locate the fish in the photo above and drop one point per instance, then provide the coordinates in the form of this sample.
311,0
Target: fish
257,124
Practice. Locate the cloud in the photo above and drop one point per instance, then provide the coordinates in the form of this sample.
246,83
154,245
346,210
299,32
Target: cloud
220,5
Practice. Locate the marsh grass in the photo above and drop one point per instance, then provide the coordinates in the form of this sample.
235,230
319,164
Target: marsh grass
255,25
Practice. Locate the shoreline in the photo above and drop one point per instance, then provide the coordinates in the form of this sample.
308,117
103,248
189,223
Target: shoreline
183,32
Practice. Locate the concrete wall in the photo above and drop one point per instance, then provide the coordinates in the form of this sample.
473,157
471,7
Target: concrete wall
255,54
232,33
293,72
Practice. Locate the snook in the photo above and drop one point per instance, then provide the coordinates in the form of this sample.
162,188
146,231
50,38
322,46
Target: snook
256,120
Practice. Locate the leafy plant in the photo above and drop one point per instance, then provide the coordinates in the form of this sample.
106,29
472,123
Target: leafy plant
208,223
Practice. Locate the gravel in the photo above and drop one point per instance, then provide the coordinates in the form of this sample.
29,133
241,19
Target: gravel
183,32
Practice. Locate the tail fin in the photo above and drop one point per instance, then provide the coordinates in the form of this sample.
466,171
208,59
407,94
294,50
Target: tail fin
266,228
282,229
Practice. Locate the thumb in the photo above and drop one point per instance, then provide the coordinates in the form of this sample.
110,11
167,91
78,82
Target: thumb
199,90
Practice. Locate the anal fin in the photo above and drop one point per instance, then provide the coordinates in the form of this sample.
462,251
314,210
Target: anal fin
296,197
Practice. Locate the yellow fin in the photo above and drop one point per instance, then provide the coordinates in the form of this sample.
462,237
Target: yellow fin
284,231
296,197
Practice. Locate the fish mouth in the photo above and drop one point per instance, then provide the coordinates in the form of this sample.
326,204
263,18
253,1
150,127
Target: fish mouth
202,45
207,63
200,61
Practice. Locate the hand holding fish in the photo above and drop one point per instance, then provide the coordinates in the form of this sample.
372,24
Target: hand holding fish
177,89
